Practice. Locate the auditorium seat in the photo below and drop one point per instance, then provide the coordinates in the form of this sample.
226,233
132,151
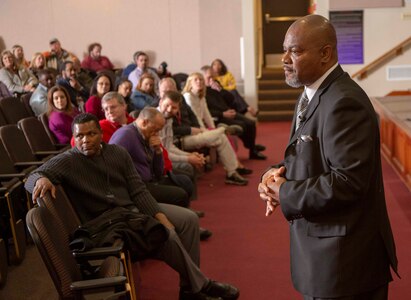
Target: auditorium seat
13,110
37,137
70,282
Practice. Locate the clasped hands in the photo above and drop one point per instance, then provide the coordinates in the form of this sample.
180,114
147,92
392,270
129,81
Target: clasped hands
269,188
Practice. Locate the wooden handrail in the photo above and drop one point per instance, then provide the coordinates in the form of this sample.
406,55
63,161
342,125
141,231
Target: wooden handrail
395,51
259,45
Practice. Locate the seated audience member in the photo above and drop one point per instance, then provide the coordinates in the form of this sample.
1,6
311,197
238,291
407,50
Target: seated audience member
130,67
57,55
38,62
187,129
38,100
18,53
142,141
101,85
227,81
78,92
84,169
169,106
219,107
144,93
94,61
114,108
60,114
142,67
86,77
4,91
18,80
124,88
162,71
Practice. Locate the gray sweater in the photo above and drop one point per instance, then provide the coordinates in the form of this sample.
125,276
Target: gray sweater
97,184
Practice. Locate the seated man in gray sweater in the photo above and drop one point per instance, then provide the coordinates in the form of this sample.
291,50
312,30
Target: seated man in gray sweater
98,176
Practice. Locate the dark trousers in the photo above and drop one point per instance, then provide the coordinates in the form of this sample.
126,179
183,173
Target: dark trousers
165,191
380,293
248,126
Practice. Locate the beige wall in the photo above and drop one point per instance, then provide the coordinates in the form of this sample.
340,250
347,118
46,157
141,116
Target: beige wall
185,33
384,28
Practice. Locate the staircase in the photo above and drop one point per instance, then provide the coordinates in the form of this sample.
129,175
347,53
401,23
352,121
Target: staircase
276,99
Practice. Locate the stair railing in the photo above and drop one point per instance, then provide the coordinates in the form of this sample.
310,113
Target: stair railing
260,46
372,66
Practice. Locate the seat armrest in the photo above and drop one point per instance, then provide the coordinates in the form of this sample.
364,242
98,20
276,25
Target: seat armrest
97,283
46,153
99,252
12,175
28,163
63,146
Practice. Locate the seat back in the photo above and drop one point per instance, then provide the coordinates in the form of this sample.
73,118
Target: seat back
7,168
16,145
3,263
45,121
6,164
13,110
54,250
25,99
60,207
36,135
2,119
67,220
180,79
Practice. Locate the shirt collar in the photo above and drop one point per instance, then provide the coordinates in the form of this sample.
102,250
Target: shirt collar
312,89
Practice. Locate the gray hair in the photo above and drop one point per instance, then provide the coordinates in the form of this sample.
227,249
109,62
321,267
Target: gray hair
113,95
168,79
149,113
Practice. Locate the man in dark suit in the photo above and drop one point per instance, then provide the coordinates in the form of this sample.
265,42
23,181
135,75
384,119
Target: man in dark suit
329,186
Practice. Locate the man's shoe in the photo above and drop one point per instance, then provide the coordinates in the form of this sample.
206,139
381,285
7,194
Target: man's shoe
223,290
244,171
257,155
231,129
236,179
187,295
205,234
259,147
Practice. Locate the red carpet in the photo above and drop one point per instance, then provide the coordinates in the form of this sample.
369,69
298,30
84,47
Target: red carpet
250,250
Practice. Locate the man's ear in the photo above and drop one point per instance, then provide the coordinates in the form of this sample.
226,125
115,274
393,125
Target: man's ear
326,53
144,123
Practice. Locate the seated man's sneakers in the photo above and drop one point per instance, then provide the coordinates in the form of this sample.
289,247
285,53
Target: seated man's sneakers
231,129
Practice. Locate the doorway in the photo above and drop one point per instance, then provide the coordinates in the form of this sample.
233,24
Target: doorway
276,18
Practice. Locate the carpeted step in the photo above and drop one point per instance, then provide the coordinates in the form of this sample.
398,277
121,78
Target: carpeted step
289,93
272,84
276,73
276,99
283,115
276,105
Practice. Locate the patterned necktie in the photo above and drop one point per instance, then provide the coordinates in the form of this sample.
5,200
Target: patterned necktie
301,108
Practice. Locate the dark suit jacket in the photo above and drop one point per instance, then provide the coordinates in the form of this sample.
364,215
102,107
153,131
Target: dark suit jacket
341,239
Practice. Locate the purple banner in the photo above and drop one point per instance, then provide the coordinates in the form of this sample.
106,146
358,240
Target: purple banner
349,28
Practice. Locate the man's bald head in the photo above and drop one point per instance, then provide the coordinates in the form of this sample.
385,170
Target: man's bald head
310,49
317,30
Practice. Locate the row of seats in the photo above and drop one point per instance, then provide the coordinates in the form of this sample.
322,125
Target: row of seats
13,109
26,143
50,225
